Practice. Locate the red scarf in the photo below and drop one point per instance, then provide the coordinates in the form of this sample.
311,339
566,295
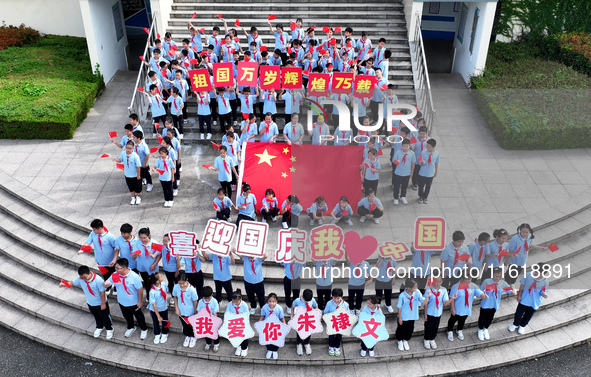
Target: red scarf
206,306
429,159
124,286
252,265
162,293
456,257
409,301
533,286
226,167
88,284
436,298
404,159
423,257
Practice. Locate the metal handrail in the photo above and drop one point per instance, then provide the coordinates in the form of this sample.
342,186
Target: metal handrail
424,97
139,102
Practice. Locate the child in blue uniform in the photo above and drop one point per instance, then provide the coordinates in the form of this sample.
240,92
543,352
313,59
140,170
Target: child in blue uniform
147,259
403,164
185,305
496,286
372,308
104,247
434,309
290,212
316,209
132,170
237,306
222,205
461,306
224,165
209,303
342,211
253,281
429,167
169,265
519,247
334,341
270,308
269,206
534,287
158,307
246,204
370,207
222,276
166,171
385,280
408,312
306,300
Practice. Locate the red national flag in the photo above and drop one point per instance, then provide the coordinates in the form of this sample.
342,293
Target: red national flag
463,286
202,30
158,35
116,278
272,17
263,48
396,162
154,150
147,30
215,146
66,283
364,86
291,77
237,23
245,115
490,287
503,254
140,89
103,270
174,47
413,140
384,87
508,289
193,61
337,29
237,40
248,73
223,74
293,26
86,248
318,84
270,77
220,15
160,171
325,29
194,15
157,247
552,247
206,166
120,166
141,58
464,257
294,170
431,282
420,158
333,41
342,82
113,134
104,155
166,324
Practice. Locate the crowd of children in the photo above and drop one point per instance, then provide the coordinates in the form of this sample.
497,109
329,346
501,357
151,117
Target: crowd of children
131,266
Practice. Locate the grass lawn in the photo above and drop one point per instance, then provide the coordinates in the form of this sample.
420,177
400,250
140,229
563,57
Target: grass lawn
532,103
46,88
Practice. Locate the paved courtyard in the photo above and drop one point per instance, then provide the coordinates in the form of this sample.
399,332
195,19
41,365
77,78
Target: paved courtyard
479,186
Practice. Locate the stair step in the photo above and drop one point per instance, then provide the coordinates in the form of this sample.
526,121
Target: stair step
186,5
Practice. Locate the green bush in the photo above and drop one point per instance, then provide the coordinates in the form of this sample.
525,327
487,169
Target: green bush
46,89
532,103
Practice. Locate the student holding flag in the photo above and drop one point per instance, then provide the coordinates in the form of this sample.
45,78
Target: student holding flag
496,286
534,287
461,306
104,248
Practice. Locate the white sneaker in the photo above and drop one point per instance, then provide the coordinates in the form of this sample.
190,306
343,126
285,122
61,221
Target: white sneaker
143,334
308,349
157,339
275,355
390,309
330,351
362,219
149,188
481,335
192,342
376,221
274,219
144,181
486,334
163,338
181,136
216,348
129,332
175,192
349,222
109,334
138,200
208,347
132,200
403,200
229,219
427,344
512,327
450,336
208,137
320,221
300,350
235,123
460,334
395,202
178,181
97,332
312,222
170,203
253,310
400,345
202,136
215,122
371,353
337,351
238,351
433,344
172,301
187,341
269,354
284,225
244,353
363,353
288,310
521,330
406,346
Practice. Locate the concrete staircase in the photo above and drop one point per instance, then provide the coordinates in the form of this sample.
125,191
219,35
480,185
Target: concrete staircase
38,244
380,18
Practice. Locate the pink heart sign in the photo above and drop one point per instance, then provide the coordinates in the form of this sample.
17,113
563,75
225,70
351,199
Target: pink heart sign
359,249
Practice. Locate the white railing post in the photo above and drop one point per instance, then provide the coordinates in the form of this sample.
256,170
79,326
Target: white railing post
425,98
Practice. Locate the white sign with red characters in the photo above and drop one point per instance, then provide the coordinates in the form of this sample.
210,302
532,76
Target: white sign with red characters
371,329
339,322
306,321
272,331
252,239
236,328
217,237
292,246
183,244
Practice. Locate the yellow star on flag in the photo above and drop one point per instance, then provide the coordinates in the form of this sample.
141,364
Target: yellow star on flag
265,157
292,170
293,159
286,150
284,175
